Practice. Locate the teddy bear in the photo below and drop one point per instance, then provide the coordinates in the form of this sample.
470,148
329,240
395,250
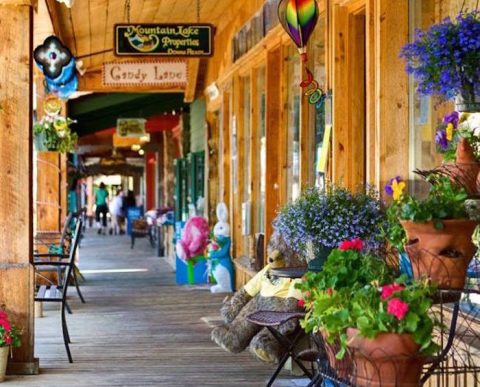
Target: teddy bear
220,262
262,292
194,238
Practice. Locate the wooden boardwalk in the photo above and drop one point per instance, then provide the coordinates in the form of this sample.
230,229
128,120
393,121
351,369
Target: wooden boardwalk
137,329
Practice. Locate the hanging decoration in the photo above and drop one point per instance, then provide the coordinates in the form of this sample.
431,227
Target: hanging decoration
68,3
298,18
58,65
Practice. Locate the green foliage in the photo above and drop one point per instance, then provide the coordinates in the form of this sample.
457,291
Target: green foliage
444,201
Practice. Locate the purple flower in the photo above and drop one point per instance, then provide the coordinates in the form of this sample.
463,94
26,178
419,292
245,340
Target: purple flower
388,187
441,139
452,118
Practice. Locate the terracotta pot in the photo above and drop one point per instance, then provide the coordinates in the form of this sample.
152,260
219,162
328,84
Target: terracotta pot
342,367
4,351
388,360
442,255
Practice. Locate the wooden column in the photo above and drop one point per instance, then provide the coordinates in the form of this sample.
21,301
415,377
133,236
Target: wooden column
273,128
391,89
64,187
48,202
16,273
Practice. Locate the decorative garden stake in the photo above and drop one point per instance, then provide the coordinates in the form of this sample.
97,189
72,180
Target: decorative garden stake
298,18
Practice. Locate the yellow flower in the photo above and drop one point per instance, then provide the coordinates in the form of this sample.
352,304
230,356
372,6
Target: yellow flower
449,131
397,188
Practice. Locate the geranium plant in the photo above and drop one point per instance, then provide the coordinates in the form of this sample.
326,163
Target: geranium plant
9,333
359,290
444,59
326,218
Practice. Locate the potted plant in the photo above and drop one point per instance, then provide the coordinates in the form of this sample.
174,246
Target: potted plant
319,220
9,338
439,232
444,60
54,134
386,331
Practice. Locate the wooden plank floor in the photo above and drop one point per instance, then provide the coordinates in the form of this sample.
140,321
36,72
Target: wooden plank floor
137,329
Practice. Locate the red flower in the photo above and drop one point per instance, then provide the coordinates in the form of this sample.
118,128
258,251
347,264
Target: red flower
330,291
7,338
388,290
5,324
301,303
397,308
354,244
3,315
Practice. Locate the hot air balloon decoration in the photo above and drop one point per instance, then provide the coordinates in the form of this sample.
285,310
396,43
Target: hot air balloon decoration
298,18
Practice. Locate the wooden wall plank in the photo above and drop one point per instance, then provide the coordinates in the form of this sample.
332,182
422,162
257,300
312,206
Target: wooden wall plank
273,96
48,191
391,89
16,276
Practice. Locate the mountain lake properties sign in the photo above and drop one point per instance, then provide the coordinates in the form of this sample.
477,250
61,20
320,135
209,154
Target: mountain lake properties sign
192,40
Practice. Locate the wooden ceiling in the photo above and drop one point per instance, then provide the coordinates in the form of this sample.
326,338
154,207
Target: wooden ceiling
87,27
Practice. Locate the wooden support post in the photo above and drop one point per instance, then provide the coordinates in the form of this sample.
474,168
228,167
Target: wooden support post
16,272
48,191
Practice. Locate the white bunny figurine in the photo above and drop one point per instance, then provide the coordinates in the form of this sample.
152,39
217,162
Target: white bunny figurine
219,253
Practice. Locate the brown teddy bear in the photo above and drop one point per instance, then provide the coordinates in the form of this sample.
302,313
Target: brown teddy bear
262,292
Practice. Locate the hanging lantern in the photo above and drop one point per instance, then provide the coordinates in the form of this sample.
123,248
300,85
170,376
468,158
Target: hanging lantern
299,18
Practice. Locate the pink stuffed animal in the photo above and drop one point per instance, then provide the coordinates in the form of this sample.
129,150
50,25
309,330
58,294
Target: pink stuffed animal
194,238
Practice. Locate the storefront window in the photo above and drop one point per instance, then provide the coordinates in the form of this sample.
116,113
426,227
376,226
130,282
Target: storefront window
317,112
259,184
426,112
293,122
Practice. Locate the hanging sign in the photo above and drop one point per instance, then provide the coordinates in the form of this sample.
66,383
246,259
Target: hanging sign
131,127
166,74
194,40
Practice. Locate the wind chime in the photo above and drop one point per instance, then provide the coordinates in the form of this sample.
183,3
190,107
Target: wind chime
299,18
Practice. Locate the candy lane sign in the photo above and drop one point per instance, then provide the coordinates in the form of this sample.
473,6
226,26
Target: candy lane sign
193,40
162,74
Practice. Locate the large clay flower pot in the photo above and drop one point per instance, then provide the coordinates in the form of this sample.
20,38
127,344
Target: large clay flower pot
3,362
388,360
442,255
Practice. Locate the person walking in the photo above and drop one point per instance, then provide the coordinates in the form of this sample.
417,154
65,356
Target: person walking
101,197
116,213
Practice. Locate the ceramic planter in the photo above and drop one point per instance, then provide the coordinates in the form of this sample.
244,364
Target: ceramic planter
4,351
442,255
388,360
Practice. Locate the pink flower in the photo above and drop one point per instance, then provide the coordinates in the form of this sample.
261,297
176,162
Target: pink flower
7,338
388,290
396,307
354,244
5,324
301,303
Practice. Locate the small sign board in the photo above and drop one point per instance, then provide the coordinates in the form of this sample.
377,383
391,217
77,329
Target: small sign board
192,40
131,127
161,74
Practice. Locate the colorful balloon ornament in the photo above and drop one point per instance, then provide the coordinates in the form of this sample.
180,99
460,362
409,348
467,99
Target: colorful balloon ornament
58,65
298,18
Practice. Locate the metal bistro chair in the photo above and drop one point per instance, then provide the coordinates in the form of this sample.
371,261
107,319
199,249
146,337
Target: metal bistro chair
58,293
61,248
272,319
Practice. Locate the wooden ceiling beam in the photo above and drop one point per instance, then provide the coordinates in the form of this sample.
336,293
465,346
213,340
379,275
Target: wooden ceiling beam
193,66
55,18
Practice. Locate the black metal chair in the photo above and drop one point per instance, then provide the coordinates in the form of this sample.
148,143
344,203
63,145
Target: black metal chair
62,248
58,293
273,319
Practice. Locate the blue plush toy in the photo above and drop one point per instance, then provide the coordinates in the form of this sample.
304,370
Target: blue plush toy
219,253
